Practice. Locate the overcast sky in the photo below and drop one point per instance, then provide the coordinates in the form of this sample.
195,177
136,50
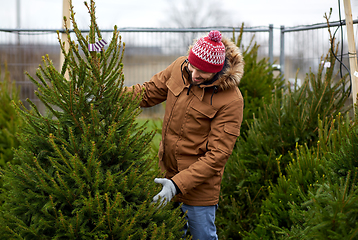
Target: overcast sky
154,13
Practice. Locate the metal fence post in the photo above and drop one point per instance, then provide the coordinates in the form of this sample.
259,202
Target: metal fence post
18,19
271,43
282,50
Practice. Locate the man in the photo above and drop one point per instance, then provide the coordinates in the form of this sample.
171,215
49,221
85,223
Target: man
202,120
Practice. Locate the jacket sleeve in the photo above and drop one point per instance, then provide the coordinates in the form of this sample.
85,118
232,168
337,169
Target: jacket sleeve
155,91
225,129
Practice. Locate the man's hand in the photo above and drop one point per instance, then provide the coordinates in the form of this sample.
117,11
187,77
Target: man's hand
167,193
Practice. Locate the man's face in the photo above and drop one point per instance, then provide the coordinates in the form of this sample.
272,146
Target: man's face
198,76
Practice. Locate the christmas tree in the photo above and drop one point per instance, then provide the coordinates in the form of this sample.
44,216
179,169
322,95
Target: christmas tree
85,171
318,195
261,157
258,83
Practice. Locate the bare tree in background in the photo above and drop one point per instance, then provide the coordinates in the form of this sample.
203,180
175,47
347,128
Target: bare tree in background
196,14
199,13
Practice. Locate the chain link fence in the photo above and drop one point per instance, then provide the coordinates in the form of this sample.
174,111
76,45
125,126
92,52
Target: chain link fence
304,48
149,51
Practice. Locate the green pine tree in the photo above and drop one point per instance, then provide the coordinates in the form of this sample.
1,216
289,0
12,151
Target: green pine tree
282,210
289,119
10,122
258,82
85,171
313,200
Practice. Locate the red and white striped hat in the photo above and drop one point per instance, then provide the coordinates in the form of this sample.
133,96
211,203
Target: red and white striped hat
208,53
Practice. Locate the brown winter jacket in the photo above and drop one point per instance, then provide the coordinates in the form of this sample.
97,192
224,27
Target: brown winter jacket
200,126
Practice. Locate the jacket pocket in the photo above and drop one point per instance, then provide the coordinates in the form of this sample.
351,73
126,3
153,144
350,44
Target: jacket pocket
199,119
185,163
228,140
204,108
232,130
195,128
174,87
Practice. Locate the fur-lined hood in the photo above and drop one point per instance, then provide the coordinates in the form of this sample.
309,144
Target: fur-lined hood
233,69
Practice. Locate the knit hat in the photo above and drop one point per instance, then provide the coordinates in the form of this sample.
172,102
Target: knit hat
208,53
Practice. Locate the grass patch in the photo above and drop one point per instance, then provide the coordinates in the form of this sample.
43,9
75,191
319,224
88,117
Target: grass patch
153,125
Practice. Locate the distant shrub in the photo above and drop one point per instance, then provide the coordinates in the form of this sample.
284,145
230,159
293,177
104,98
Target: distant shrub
10,122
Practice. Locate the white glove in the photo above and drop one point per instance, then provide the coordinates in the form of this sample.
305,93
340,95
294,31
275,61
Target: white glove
167,193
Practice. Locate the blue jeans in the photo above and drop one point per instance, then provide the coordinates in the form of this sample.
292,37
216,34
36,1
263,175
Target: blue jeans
201,221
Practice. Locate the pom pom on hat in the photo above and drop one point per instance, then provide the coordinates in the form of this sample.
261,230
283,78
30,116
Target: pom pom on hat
208,53
215,36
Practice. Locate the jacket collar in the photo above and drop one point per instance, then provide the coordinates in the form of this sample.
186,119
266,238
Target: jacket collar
199,90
